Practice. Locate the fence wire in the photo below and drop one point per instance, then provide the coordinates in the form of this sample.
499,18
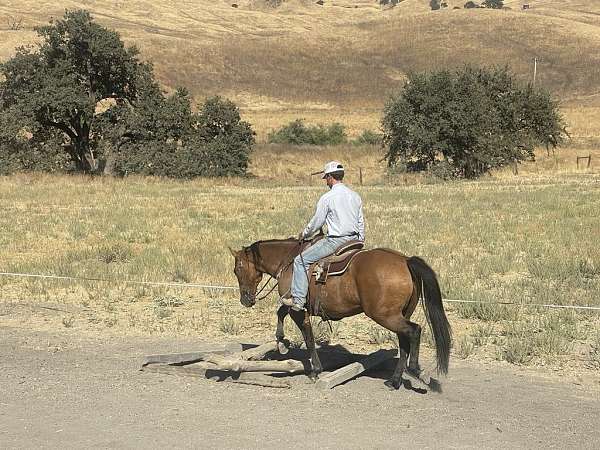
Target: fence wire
235,288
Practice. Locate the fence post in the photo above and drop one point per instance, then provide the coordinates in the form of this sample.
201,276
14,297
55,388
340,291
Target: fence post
360,176
589,160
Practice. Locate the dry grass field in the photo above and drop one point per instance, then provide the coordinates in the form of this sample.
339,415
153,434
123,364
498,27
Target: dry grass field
526,238
340,61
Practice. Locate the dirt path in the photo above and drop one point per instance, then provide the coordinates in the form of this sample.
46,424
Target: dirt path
61,390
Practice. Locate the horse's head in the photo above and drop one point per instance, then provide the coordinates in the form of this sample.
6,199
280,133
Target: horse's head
247,274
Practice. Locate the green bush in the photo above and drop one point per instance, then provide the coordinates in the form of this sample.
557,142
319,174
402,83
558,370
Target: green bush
368,137
214,142
494,4
41,152
297,133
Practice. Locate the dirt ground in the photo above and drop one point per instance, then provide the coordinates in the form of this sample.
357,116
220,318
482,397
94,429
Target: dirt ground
67,390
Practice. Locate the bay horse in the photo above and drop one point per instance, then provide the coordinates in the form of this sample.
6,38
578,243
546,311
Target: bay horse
384,284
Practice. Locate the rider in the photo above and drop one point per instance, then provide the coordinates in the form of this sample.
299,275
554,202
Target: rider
341,210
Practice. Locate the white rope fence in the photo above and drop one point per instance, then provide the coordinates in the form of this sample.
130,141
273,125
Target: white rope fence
147,283
235,288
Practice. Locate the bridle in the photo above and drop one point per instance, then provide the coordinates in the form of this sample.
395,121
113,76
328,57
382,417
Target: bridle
283,266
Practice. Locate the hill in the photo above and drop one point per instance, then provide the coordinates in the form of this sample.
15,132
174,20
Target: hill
339,61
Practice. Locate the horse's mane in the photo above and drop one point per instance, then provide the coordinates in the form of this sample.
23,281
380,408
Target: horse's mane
253,248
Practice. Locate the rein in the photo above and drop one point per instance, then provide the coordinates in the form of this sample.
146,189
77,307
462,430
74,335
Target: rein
282,267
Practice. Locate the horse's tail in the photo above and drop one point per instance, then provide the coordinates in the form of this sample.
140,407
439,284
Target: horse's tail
429,290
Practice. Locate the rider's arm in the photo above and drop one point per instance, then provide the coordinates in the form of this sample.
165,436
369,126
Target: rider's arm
361,224
318,219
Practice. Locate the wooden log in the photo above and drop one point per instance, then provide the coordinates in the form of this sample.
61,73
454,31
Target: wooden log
257,379
190,357
239,365
196,371
205,370
345,373
258,352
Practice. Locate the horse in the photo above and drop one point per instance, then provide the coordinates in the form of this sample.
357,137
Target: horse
384,284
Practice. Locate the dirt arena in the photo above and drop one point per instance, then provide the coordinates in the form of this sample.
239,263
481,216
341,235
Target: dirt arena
65,390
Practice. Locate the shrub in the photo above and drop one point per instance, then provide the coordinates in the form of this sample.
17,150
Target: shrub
494,4
368,137
215,142
297,133
42,152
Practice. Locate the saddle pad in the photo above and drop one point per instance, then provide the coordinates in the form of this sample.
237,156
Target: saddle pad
326,267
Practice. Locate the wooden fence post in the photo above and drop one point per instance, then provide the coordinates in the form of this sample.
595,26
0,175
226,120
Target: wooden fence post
360,176
589,160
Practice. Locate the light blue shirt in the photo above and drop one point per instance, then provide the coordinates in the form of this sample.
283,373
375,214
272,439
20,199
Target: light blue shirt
341,210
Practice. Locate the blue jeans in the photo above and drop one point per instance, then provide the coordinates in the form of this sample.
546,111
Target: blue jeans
325,247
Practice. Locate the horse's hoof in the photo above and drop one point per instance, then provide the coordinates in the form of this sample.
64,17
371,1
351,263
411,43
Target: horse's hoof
282,348
391,385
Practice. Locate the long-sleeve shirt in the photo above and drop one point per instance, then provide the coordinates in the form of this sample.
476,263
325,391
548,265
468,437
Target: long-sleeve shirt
341,210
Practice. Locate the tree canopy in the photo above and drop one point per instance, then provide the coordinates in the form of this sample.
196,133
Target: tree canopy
59,84
84,92
469,121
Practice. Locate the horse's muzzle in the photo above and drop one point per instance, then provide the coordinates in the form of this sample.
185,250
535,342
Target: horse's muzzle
247,299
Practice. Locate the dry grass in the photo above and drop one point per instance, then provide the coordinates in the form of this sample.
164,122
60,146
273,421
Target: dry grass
523,238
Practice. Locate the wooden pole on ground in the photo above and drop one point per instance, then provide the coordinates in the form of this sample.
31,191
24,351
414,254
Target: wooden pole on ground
204,371
258,352
190,357
239,365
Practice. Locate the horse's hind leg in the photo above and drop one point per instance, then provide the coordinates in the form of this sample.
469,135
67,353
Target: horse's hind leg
415,342
302,320
282,344
409,337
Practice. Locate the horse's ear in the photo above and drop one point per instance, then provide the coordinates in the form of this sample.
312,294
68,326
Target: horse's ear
232,251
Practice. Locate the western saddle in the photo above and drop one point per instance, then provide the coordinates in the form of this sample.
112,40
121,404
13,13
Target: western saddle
338,262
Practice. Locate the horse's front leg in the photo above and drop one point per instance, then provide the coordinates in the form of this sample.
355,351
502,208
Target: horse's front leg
282,343
302,320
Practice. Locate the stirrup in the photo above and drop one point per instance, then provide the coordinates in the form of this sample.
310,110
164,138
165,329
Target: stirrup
290,302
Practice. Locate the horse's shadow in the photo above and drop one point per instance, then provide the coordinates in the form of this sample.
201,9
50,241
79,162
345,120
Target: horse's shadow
335,356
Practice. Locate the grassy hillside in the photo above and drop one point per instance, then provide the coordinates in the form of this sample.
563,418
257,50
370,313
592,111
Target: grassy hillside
339,61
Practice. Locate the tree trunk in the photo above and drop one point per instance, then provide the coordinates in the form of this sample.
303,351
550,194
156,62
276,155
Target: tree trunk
85,161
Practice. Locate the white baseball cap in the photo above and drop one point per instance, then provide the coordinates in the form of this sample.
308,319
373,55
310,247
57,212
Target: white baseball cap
331,166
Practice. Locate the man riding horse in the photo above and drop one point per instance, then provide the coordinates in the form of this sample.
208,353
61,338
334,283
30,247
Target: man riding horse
382,283
341,210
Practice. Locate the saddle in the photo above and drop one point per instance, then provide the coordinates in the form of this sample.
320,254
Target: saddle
338,262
